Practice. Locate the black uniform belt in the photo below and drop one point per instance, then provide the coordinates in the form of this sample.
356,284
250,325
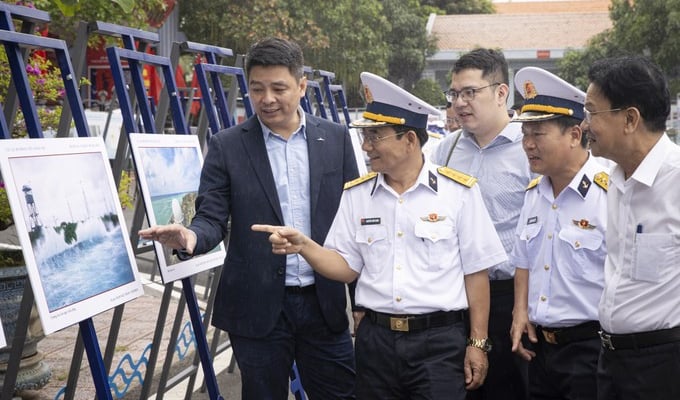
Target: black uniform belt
300,289
612,341
584,331
413,323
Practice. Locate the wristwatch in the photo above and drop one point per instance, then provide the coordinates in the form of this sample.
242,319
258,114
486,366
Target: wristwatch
482,344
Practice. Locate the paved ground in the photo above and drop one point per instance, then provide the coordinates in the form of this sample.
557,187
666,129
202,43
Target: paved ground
137,328
136,333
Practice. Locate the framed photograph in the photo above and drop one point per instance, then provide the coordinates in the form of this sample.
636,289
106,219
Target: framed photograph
71,227
169,170
3,340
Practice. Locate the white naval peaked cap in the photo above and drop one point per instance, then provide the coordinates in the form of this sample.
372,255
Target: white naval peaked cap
547,96
388,104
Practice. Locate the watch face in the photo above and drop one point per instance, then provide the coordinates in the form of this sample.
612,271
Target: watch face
487,345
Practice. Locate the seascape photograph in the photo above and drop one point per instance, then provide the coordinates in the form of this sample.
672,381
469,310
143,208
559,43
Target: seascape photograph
169,169
72,224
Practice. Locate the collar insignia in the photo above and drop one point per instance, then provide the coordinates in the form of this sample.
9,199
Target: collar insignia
584,185
432,180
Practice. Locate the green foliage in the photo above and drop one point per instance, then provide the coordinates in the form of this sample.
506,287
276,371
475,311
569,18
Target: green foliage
429,90
238,24
344,36
386,37
461,6
356,42
408,42
6,219
646,27
66,14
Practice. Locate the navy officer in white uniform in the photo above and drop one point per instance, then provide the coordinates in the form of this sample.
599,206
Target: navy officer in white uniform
419,239
560,247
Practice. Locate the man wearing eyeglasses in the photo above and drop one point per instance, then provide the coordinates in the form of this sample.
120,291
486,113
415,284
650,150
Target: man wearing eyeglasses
627,105
419,239
490,149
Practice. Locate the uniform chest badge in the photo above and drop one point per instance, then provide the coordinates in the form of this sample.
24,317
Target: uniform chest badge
583,224
433,217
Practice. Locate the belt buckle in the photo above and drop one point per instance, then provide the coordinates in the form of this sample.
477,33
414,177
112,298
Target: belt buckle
399,324
606,340
549,336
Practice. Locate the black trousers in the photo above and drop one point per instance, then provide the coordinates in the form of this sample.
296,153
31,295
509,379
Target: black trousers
564,371
507,376
640,374
424,365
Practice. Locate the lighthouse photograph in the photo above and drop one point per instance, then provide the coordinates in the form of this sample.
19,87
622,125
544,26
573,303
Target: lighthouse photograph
70,225
168,169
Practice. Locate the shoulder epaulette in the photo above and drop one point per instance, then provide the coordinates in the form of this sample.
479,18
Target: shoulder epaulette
457,176
360,180
534,182
602,180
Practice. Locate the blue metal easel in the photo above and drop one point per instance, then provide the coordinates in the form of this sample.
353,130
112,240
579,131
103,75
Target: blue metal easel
215,97
331,91
13,43
135,60
318,95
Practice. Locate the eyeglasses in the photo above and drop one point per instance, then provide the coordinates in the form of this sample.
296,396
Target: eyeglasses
373,139
588,115
467,94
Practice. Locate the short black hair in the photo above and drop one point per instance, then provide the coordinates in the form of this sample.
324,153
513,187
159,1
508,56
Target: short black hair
565,122
274,51
492,62
634,81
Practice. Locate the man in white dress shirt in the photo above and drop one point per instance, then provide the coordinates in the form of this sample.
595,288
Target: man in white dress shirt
419,239
627,104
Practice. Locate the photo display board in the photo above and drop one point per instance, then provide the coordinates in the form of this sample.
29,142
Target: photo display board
71,227
169,170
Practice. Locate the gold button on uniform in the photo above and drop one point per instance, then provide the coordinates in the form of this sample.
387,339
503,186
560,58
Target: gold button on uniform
401,201
577,244
400,234
398,298
549,236
546,267
543,298
369,240
554,206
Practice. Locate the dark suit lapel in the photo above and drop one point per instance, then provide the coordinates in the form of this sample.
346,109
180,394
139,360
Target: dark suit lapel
253,142
316,146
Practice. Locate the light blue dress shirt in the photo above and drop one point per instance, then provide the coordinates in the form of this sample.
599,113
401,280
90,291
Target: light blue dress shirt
289,160
503,174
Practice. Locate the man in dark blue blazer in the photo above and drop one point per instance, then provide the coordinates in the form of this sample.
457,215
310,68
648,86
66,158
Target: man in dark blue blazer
280,167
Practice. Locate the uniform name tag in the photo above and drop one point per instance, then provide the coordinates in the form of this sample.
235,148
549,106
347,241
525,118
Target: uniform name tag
370,221
532,220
